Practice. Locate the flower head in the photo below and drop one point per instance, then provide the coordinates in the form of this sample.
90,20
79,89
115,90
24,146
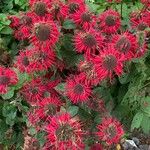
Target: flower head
77,90
45,34
7,78
64,132
84,18
33,91
109,21
108,62
125,44
110,131
88,42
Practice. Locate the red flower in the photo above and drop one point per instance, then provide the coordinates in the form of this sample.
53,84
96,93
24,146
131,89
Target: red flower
24,61
33,91
139,23
59,10
107,62
109,21
110,131
77,90
96,146
14,21
64,132
43,59
88,71
7,78
75,5
22,33
45,34
40,7
125,44
84,18
88,42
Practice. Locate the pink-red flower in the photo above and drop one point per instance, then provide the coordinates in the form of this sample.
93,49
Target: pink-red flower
75,5
14,21
64,132
84,19
24,61
88,42
7,78
40,7
77,90
146,2
108,62
109,21
45,33
33,91
110,131
88,71
125,44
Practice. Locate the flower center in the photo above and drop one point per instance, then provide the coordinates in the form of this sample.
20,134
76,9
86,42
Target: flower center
123,45
109,62
26,20
50,109
90,41
40,8
86,17
64,132
111,131
4,80
142,26
43,32
25,61
78,89
73,8
110,21
34,90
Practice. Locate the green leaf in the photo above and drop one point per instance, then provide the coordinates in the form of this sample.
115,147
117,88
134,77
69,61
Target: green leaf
136,122
6,30
73,110
68,24
60,87
146,124
9,94
145,107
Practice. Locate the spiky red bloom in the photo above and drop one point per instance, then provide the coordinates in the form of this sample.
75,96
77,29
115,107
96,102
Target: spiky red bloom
88,71
125,44
88,42
7,78
14,21
22,33
64,132
24,61
33,91
108,62
75,5
140,23
77,90
84,18
110,131
43,59
45,34
96,146
109,21
59,10
40,7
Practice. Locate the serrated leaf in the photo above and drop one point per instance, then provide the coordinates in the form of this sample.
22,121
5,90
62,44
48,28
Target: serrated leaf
145,107
137,120
69,24
60,87
146,124
6,30
73,110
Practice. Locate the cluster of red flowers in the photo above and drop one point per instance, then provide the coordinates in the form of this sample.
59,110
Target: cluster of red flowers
105,46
